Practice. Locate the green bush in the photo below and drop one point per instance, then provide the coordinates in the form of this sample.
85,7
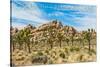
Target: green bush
81,57
74,49
47,51
62,55
66,50
93,51
40,53
50,62
71,49
77,49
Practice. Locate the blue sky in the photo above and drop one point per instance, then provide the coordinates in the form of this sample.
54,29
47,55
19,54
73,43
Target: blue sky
80,17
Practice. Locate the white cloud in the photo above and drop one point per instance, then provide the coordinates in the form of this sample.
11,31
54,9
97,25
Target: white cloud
33,13
56,13
86,22
81,8
18,25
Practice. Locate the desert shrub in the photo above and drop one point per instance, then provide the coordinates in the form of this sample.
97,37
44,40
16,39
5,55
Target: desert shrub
81,57
71,49
66,50
74,49
20,58
54,52
39,59
40,53
47,51
93,51
62,55
77,49
53,56
90,53
50,62
64,60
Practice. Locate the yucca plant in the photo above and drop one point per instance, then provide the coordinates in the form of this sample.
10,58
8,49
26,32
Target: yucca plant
26,38
88,38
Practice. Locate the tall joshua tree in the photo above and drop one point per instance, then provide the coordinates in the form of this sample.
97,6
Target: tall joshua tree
51,33
19,38
23,37
88,38
72,32
51,36
67,39
60,37
26,37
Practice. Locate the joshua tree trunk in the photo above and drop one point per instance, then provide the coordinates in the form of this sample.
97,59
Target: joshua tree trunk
80,42
13,46
72,42
51,46
60,43
89,45
67,43
20,46
25,47
83,43
28,45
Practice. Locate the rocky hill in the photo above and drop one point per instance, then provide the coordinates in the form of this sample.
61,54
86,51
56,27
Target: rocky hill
52,26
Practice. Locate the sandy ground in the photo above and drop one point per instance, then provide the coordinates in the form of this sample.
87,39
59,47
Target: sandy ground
56,55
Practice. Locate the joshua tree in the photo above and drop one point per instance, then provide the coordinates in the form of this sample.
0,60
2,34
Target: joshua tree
13,41
60,37
88,38
50,37
72,32
26,38
79,38
29,26
20,38
67,40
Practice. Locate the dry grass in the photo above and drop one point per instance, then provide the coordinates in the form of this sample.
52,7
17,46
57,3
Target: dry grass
56,55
